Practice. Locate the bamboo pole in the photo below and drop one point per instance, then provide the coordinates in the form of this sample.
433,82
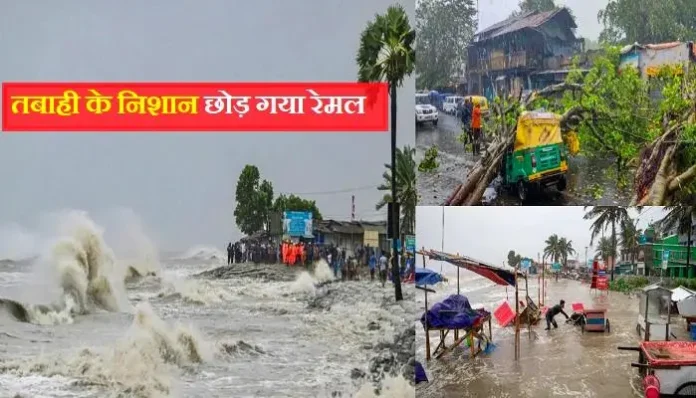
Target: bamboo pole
517,317
526,288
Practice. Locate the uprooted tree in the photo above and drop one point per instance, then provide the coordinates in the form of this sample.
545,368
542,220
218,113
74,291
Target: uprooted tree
648,127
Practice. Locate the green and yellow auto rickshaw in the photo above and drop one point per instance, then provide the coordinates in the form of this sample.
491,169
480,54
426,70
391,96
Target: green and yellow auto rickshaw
539,157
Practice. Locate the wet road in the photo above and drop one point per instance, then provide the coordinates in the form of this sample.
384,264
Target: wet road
560,362
588,183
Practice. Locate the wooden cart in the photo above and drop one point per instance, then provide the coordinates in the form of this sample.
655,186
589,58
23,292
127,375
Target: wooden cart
668,368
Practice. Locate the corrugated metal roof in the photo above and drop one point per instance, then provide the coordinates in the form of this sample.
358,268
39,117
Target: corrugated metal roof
513,24
349,227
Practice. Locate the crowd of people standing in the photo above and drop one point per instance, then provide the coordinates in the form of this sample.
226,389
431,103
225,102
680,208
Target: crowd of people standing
344,265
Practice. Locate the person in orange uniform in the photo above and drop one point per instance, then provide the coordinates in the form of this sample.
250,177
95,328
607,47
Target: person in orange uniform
476,128
284,252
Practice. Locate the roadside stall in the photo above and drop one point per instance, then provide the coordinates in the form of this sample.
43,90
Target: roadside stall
460,308
654,314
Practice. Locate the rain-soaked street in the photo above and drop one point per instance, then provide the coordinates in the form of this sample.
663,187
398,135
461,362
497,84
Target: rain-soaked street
588,183
560,362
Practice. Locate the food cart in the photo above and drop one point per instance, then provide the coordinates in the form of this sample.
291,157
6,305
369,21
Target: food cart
668,368
595,320
654,315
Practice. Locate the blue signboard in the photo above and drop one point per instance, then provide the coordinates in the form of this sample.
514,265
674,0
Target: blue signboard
526,263
297,223
602,272
556,266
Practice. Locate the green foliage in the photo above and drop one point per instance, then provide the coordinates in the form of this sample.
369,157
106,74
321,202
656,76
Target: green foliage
535,5
406,192
558,249
429,162
629,284
386,51
514,259
255,202
250,209
647,21
295,203
445,29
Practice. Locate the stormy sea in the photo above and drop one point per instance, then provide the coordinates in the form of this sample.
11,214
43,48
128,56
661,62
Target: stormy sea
80,318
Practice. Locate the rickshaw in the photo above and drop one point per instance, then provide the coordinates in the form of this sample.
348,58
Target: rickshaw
480,100
538,158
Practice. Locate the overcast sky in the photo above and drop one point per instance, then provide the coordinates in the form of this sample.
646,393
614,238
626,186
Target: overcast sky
182,185
489,233
585,11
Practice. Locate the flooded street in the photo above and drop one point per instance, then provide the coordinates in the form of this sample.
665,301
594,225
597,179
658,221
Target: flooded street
560,362
588,183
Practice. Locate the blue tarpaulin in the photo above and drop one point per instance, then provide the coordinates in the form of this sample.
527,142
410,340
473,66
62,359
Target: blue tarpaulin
454,312
420,373
425,276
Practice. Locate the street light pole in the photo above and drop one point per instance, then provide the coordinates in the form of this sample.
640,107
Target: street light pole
395,209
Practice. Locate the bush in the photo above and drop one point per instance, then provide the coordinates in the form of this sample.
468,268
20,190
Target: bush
629,283
429,163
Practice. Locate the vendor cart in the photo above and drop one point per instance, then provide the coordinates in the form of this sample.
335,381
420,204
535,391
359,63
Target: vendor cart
654,315
595,320
668,368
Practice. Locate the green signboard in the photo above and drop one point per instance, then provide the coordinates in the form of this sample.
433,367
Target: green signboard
556,267
410,243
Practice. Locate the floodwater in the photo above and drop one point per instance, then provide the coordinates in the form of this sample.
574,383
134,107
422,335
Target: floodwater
179,331
555,363
588,183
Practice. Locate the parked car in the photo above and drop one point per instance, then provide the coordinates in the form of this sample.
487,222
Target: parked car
425,111
451,104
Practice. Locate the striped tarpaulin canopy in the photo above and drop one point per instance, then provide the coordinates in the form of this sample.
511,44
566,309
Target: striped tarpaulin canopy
495,274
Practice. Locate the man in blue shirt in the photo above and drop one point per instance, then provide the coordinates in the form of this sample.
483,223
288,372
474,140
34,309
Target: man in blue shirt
373,265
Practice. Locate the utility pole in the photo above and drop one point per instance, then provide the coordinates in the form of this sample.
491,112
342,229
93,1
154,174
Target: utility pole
352,208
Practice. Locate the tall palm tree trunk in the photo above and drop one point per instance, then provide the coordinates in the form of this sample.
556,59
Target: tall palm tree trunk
688,254
395,212
613,246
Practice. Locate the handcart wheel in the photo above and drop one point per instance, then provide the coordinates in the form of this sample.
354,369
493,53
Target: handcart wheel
608,326
687,390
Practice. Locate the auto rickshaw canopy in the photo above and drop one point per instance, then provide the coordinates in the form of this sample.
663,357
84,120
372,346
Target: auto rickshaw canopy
536,129
478,100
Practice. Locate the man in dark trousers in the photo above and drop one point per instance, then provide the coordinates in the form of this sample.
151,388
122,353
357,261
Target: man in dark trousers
229,253
466,120
552,312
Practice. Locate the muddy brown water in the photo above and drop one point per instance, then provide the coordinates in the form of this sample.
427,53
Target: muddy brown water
588,183
556,363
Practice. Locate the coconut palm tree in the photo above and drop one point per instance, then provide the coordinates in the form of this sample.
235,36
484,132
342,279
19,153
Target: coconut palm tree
629,236
566,248
604,217
682,218
605,249
553,248
386,54
406,193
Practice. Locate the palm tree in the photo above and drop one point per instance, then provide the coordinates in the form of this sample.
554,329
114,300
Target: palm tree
553,248
629,237
605,216
386,54
682,218
566,248
406,193
605,249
